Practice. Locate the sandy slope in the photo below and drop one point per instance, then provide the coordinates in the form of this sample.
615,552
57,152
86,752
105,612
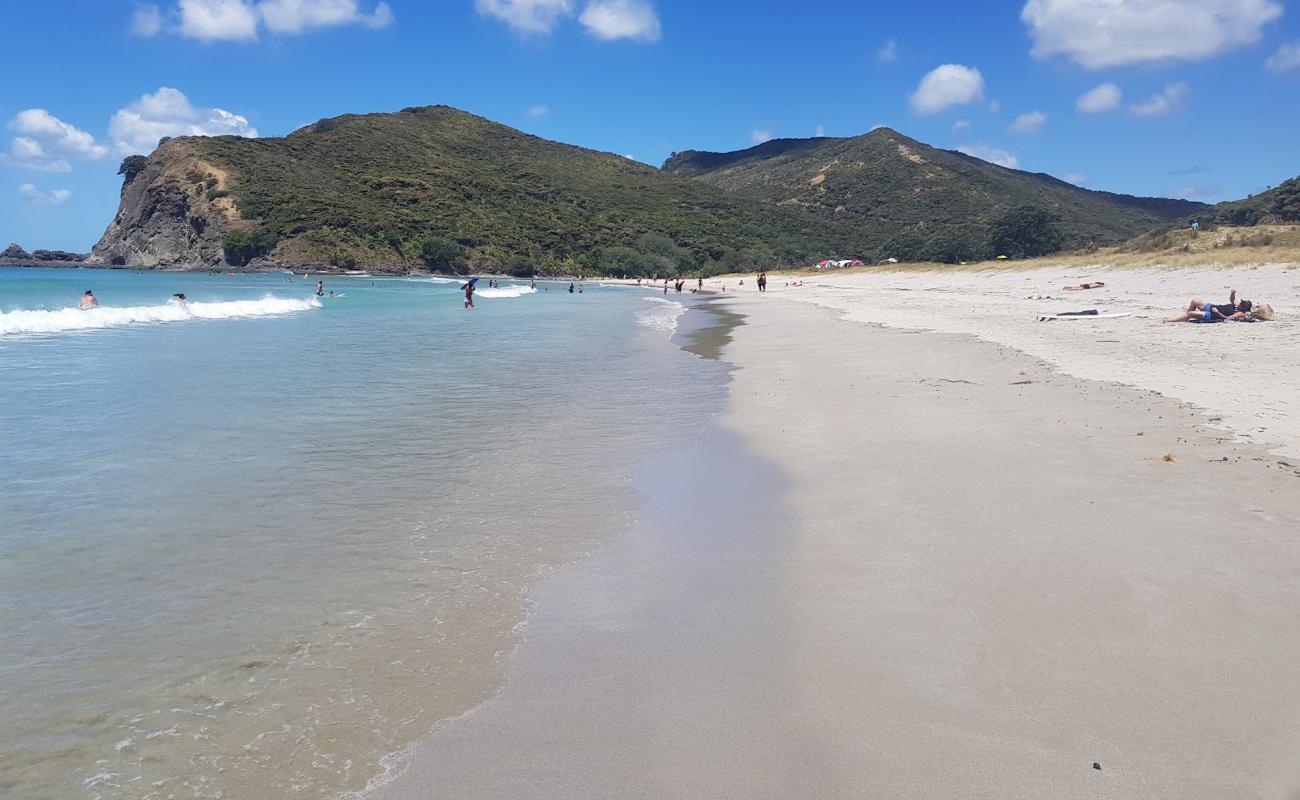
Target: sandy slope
1246,377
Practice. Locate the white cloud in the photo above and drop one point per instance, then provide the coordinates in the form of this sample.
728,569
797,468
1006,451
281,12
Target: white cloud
57,135
1163,104
30,154
242,20
945,86
760,135
1197,192
960,125
168,112
218,20
36,197
888,52
536,17
296,16
629,157
1099,99
1077,178
1109,33
47,143
146,21
621,19
992,155
1030,122
1286,57
821,131
539,111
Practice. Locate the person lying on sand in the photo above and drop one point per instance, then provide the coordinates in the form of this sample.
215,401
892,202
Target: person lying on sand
1200,311
1083,286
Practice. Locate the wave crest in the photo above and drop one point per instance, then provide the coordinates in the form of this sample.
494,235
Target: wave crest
72,319
505,291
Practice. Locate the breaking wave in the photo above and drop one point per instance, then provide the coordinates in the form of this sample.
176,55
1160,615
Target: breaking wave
72,319
505,291
663,316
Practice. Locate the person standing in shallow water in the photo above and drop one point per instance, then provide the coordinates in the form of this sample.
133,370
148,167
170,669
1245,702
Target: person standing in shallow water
320,288
88,301
469,295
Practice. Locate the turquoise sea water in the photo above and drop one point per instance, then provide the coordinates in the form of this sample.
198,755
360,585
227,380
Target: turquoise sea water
249,547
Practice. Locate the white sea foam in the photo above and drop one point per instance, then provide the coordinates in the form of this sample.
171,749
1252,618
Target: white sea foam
73,319
505,291
662,316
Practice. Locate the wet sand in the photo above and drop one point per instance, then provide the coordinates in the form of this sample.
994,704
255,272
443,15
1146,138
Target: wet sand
913,565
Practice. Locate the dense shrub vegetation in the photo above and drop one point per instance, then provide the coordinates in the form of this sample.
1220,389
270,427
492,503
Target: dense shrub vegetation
440,188
445,190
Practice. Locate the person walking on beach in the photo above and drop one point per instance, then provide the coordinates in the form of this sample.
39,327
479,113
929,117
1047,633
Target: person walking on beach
700,286
762,281
88,301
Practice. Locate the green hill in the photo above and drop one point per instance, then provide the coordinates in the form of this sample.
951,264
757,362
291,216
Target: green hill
439,188
1278,205
919,202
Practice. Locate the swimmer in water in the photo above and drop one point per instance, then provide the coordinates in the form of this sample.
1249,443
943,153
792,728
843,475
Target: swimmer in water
320,288
88,301
179,298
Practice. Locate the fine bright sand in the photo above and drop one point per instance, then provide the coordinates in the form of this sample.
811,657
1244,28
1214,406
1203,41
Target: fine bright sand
925,565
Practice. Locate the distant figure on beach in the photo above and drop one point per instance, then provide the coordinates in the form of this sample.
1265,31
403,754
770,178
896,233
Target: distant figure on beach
580,288
762,281
1083,286
88,301
532,284
320,288
700,285
665,287
179,299
469,293
1200,311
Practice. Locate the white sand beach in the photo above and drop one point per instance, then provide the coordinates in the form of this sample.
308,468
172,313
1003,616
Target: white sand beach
931,566
1245,376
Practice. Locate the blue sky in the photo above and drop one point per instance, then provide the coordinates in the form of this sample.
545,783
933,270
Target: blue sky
1199,98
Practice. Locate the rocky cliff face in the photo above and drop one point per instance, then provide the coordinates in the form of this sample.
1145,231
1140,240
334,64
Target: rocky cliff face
175,212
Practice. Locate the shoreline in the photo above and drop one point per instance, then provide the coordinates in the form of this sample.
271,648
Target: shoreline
981,580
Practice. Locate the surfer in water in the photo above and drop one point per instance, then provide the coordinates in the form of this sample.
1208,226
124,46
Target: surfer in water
88,301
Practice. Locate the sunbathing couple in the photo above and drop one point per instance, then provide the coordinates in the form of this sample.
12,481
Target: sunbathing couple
1200,311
